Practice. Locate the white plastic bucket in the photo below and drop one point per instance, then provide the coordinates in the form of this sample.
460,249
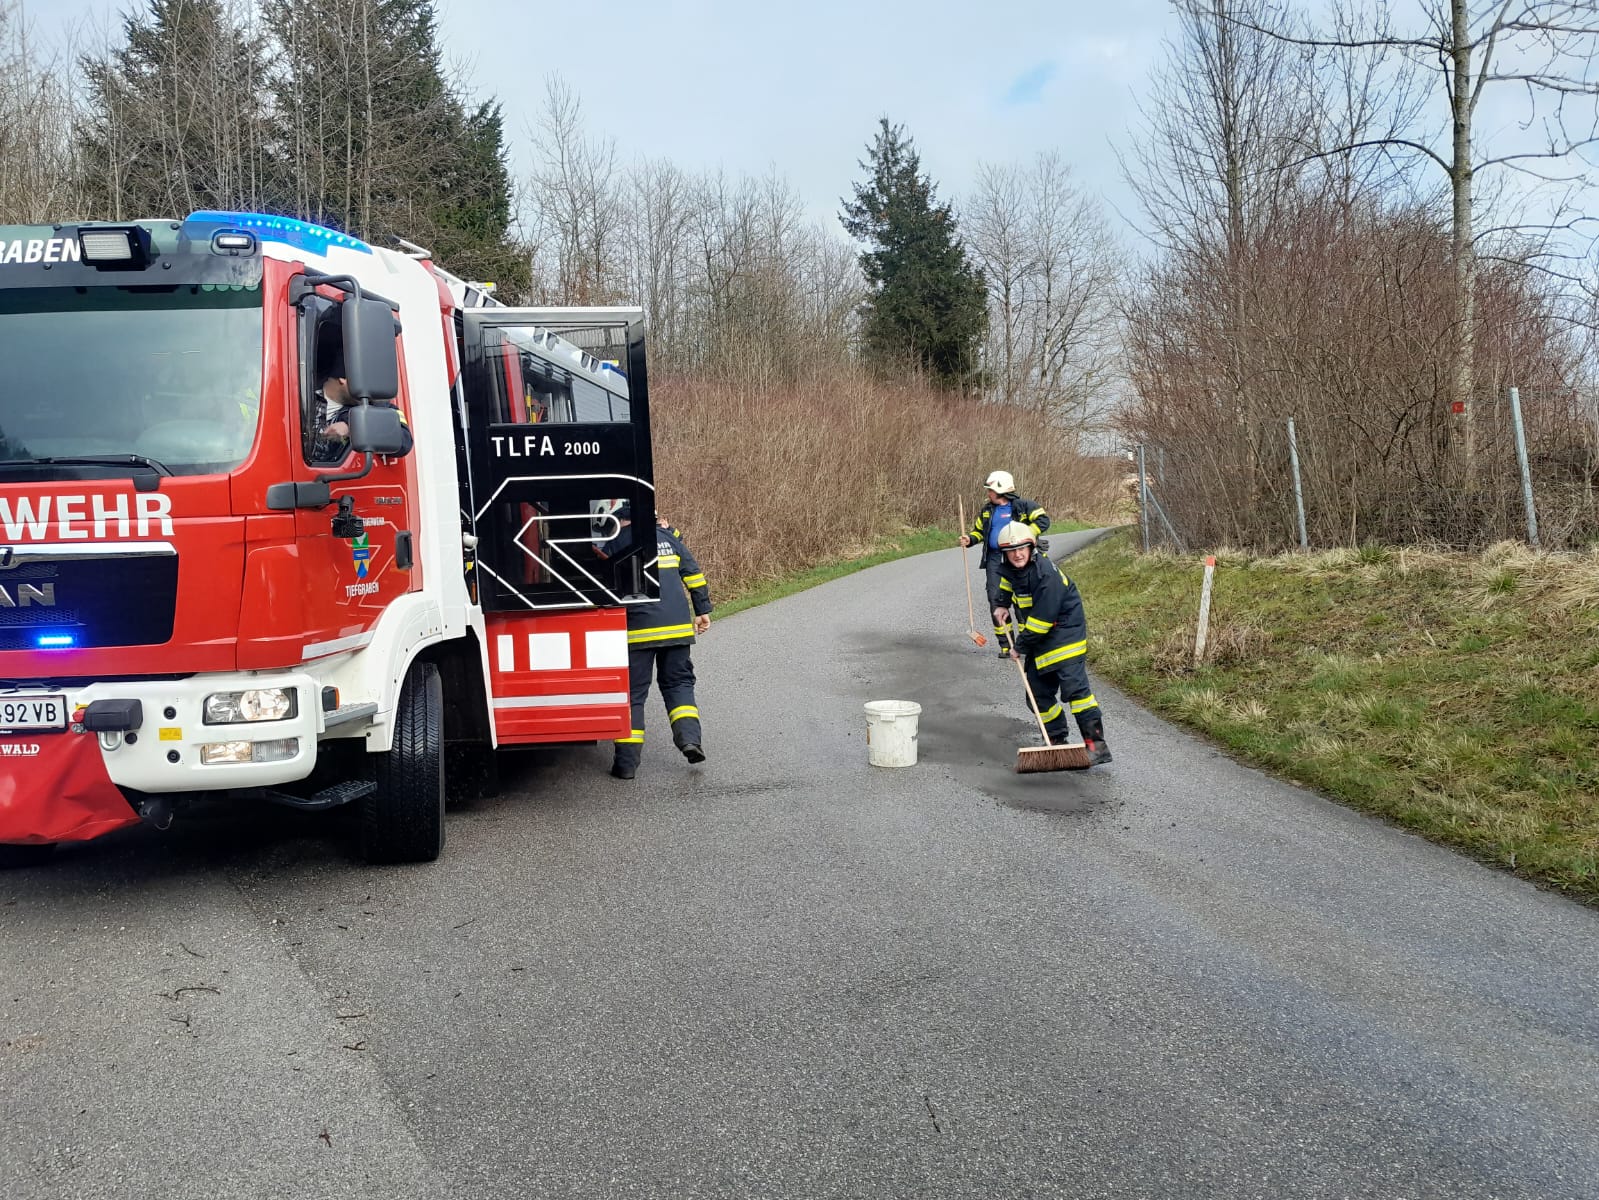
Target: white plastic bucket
891,732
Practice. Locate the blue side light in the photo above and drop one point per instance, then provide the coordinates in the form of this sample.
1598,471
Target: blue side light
300,234
56,641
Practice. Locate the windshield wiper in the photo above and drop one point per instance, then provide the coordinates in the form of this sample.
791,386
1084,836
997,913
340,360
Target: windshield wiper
98,460
147,472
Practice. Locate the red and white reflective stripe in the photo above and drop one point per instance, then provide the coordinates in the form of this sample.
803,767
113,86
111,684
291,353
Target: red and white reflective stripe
575,700
553,651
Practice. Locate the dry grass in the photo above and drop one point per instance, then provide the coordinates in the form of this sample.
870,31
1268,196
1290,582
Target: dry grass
1227,643
769,481
1456,694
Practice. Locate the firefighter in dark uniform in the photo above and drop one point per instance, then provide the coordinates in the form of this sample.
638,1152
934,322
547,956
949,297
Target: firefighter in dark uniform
1003,507
660,640
1053,638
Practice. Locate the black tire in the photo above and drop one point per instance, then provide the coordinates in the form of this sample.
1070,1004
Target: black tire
403,820
12,856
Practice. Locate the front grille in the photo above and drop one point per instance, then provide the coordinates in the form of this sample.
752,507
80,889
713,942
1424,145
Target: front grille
111,601
34,616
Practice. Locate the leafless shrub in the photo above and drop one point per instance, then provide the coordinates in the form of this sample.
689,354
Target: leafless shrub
767,480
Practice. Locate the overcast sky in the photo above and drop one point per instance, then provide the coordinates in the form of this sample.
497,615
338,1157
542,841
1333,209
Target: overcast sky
750,86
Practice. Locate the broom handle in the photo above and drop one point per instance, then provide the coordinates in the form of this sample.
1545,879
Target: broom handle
971,616
1015,637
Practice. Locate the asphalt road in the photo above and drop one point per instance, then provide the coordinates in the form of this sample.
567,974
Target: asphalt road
787,973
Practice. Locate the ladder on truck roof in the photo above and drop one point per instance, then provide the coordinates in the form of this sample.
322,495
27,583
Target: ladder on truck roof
465,295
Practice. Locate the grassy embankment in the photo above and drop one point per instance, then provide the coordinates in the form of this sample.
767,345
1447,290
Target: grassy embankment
1456,695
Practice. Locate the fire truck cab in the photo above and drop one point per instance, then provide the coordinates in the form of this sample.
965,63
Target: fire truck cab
284,516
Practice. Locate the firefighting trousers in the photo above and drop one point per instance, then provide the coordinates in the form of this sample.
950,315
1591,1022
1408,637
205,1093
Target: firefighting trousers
996,597
1064,688
673,667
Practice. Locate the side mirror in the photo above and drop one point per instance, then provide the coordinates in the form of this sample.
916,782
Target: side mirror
371,361
374,430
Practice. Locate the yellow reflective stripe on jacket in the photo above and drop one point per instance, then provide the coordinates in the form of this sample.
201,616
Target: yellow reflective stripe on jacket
1034,625
636,740
681,711
1024,602
670,560
693,581
1004,585
661,633
1060,654
1085,702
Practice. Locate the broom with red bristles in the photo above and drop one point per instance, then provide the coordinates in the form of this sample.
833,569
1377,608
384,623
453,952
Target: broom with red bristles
971,618
1072,756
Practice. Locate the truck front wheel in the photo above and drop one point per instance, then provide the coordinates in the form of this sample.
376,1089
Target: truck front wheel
403,819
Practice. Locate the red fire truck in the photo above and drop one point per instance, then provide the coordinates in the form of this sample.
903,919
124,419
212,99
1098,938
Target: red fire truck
223,574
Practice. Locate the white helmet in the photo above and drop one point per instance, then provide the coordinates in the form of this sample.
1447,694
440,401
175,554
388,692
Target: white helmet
1001,482
1015,534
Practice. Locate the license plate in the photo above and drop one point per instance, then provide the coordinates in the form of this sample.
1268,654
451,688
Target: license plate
33,712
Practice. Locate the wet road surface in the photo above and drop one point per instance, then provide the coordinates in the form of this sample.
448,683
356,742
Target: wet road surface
786,973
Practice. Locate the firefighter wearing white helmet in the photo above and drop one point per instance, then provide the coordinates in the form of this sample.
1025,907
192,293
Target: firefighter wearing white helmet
1003,506
1053,639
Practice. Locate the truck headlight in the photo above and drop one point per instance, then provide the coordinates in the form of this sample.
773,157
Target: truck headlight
257,704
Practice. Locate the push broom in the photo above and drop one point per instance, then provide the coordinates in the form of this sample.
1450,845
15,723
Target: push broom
1048,757
971,618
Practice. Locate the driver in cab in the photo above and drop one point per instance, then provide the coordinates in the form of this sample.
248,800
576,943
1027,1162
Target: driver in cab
333,397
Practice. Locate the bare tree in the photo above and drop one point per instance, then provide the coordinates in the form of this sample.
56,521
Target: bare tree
1052,273
577,201
1544,51
657,214
37,181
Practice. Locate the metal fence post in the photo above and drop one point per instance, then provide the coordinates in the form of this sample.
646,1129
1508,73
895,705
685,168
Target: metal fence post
1526,471
1299,491
1143,497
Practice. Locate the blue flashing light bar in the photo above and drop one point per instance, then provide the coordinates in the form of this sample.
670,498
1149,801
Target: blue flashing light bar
302,235
56,641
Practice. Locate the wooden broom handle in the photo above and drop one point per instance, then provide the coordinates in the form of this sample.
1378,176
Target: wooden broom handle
1015,632
971,615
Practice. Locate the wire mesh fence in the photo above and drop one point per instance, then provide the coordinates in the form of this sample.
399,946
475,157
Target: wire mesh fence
1524,465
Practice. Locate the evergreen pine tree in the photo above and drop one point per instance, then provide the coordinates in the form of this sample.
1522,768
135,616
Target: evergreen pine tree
372,139
174,117
928,305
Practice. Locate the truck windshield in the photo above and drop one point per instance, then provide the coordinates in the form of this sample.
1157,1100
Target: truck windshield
169,374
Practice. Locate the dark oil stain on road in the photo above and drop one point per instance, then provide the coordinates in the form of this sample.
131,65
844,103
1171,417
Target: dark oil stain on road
966,734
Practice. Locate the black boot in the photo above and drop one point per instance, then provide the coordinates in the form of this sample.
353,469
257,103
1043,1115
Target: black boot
693,753
1098,751
623,770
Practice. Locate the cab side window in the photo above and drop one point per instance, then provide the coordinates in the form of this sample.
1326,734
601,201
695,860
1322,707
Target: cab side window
324,391
323,442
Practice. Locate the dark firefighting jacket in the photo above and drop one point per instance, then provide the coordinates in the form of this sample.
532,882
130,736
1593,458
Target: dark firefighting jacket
1047,608
669,621
1024,511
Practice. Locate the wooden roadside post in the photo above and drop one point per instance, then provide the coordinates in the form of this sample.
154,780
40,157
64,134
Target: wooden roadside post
1204,612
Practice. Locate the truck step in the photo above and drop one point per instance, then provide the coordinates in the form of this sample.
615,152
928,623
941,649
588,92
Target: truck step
329,797
343,793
